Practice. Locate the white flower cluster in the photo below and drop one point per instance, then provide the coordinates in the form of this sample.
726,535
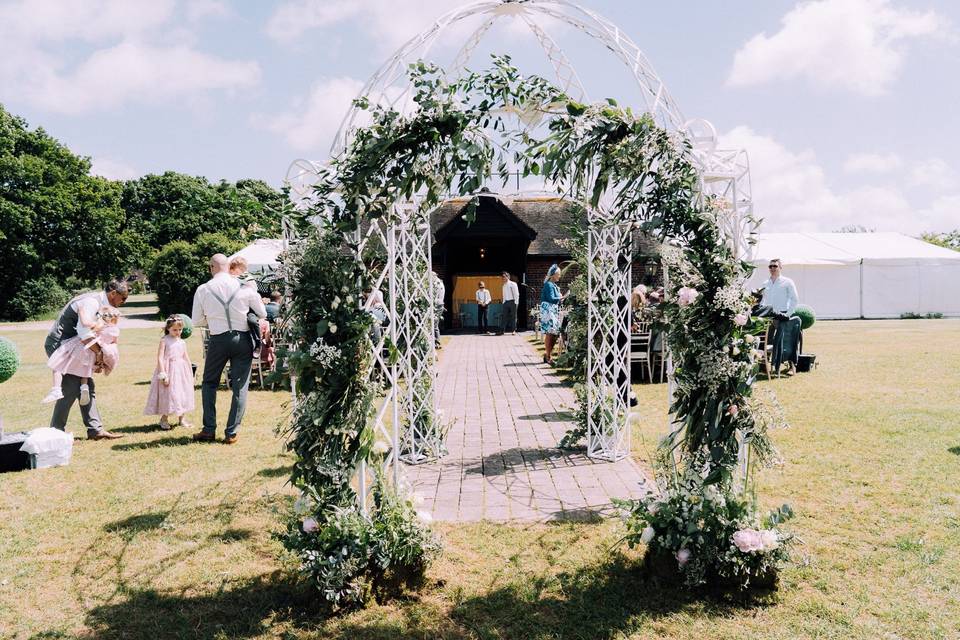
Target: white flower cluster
323,354
731,298
716,367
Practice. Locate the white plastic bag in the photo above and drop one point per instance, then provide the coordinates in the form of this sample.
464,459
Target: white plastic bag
48,447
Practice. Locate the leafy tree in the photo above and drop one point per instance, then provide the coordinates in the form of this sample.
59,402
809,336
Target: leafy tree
56,220
180,267
950,240
173,206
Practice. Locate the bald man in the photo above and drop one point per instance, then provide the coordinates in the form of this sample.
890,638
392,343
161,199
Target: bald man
222,305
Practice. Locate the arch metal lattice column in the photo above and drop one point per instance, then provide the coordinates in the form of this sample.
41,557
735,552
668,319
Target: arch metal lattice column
608,337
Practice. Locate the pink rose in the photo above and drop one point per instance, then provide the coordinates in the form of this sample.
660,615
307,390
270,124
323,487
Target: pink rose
683,557
748,540
310,525
686,296
769,539
733,410
740,319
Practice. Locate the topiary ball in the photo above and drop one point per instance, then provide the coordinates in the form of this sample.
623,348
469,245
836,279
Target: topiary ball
187,326
9,359
806,314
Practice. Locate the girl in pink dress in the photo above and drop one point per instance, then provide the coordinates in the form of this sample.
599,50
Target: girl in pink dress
171,389
92,350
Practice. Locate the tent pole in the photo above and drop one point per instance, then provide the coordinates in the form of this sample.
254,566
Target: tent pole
861,288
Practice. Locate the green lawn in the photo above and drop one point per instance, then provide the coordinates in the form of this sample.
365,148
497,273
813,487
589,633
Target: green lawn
154,536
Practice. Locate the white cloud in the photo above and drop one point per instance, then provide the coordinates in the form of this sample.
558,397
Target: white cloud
73,56
112,169
934,173
791,192
857,45
200,9
389,23
312,123
872,163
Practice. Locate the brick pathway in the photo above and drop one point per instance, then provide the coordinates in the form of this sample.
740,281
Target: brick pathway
503,462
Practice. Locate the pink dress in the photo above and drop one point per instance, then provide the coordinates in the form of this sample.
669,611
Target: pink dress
75,358
177,398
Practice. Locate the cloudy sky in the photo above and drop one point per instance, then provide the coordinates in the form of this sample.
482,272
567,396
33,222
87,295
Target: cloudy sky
848,108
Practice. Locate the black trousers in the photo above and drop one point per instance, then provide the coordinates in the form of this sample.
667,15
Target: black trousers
482,318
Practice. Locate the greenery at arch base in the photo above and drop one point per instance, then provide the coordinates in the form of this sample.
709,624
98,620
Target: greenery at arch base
460,136
806,314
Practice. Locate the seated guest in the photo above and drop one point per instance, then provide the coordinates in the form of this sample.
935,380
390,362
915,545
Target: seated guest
273,307
638,299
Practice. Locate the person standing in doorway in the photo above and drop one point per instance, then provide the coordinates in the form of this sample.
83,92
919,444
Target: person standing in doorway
222,304
511,298
483,301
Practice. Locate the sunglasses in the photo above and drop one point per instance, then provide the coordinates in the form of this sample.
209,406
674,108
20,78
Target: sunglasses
774,266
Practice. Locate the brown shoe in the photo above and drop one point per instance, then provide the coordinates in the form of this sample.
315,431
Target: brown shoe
103,434
230,439
203,436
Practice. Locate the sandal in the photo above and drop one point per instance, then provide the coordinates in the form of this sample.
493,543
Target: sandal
165,424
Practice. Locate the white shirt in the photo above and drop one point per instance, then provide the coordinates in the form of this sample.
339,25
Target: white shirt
781,294
89,304
511,291
483,297
209,312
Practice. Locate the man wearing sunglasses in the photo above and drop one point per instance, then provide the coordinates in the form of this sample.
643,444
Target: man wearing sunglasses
779,292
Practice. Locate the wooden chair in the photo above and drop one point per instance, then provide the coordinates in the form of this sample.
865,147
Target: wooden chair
657,358
640,351
766,349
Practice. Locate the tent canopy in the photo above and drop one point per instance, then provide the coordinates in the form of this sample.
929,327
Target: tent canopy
864,275
262,255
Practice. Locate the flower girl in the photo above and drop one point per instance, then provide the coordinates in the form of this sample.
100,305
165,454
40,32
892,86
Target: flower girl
171,389
92,350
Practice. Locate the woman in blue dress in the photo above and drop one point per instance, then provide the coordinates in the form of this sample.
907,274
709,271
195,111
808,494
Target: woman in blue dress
550,312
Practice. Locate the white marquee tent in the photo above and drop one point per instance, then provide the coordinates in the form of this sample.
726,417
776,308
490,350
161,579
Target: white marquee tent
261,255
864,275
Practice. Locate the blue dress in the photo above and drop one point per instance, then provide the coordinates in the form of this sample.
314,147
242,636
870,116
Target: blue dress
550,308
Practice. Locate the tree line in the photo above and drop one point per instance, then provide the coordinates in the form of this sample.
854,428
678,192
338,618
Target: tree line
63,230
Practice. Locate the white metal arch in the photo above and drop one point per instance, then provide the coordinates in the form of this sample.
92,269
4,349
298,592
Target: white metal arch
405,237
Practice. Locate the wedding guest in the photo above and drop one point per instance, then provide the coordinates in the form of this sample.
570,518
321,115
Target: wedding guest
439,294
779,291
171,388
550,298
64,327
483,301
511,298
239,270
273,306
223,304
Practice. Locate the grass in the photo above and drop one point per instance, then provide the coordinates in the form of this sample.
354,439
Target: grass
154,536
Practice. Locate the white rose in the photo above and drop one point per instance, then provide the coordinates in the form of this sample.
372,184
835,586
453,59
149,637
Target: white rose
749,338
736,351
647,534
332,328
310,525
336,303
683,557
769,539
349,299
381,447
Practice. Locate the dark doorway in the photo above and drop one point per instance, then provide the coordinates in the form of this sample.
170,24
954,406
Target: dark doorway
497,240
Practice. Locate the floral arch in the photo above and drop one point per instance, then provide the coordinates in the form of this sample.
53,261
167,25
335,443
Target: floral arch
419,134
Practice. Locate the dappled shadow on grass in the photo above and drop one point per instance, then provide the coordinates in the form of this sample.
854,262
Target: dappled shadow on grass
610,599
954,450
243,611
140,428
129,527
154,444
275,472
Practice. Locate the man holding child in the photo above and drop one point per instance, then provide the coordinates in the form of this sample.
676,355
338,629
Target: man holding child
223,305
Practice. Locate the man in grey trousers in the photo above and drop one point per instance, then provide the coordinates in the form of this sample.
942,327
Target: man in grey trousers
65,327
222,304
